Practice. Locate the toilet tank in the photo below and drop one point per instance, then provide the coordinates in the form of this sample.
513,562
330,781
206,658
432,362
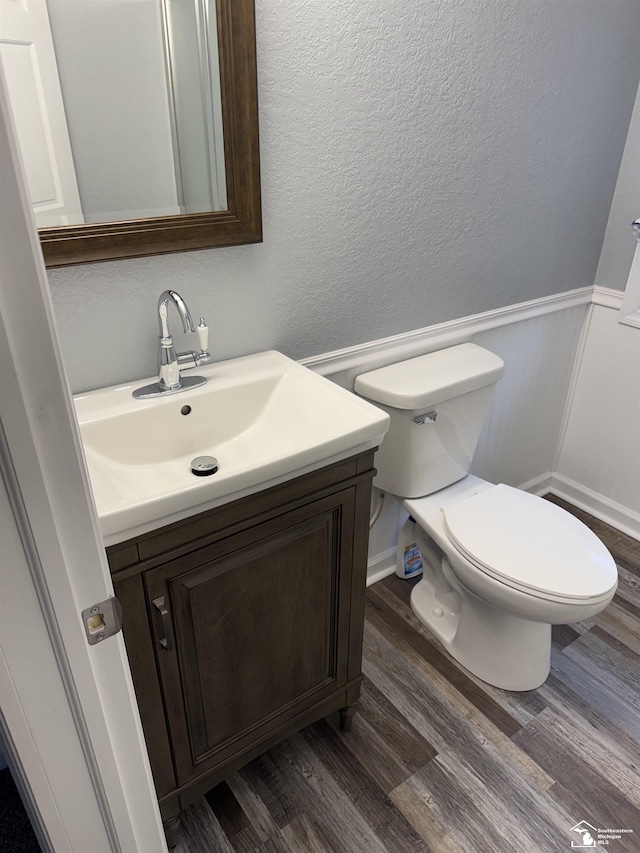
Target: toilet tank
437,404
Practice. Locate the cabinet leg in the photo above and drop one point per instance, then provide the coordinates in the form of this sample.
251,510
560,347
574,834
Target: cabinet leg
346,716
171,830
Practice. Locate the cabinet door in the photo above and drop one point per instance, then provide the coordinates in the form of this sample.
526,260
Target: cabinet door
252,631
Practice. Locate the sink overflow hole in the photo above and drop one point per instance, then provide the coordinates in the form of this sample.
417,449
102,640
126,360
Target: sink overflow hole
185,410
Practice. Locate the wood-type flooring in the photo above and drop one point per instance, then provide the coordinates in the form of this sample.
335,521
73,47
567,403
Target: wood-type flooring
438,761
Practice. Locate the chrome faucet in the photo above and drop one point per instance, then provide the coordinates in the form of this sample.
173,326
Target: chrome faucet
170,362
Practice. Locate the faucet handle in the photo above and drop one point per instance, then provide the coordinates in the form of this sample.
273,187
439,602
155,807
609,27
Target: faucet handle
203,335
164,325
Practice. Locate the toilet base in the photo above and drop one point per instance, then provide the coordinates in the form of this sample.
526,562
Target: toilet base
502,649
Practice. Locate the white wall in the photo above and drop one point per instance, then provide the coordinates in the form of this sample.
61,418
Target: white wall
599,462
619,245
420,162
111,65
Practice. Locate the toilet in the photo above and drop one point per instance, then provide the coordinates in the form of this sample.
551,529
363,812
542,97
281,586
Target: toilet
501,566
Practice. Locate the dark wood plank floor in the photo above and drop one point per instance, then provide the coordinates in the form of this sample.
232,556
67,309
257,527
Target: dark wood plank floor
439,761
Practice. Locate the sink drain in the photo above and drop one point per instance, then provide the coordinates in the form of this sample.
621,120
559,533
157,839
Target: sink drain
204,466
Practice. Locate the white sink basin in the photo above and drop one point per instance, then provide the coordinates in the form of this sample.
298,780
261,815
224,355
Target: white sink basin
264,417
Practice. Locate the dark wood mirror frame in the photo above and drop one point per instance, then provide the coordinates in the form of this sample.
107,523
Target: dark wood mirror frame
242,222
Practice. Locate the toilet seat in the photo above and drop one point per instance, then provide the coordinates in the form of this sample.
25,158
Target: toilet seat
531,545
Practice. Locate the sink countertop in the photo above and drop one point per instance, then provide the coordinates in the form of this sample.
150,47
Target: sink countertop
266,419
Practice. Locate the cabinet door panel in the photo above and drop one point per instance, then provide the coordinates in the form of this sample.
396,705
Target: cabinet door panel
270,611
254,631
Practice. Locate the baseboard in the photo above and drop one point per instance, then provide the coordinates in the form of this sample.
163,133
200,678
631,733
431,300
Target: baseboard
612,513
377,353
381,566
539,485
618,516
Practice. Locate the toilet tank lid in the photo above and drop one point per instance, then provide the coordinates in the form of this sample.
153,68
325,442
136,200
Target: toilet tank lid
432,378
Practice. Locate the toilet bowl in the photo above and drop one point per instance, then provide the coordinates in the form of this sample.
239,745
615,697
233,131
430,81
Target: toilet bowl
501,566
491,599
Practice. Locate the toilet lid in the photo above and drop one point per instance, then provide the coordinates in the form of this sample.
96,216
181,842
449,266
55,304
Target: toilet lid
530,543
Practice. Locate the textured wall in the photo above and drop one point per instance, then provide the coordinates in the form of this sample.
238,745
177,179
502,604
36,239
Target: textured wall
618,247
421,161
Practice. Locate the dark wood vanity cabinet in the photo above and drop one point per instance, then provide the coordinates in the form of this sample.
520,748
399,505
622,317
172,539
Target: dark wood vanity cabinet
244,624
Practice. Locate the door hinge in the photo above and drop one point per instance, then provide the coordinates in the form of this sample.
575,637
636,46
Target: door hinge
102,620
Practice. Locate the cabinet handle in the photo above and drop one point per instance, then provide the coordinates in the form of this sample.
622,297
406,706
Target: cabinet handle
167,641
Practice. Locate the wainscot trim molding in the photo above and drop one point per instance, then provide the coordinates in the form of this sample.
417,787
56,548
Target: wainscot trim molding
384,351
607,297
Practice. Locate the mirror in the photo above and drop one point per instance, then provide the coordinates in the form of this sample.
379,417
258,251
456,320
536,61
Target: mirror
157,153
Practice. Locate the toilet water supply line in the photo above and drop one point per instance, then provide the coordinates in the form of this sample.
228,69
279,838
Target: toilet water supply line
378,510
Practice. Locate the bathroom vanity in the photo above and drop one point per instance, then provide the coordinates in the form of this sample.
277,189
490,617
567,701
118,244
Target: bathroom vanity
244,623
242,591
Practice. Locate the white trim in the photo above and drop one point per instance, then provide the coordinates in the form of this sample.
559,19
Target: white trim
105,745
618,516
630,307
381,566
632,319
573,383
539,485
27,770
607,297
33,565
409,344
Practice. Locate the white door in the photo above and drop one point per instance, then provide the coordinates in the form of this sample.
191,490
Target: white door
68,709
28,58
